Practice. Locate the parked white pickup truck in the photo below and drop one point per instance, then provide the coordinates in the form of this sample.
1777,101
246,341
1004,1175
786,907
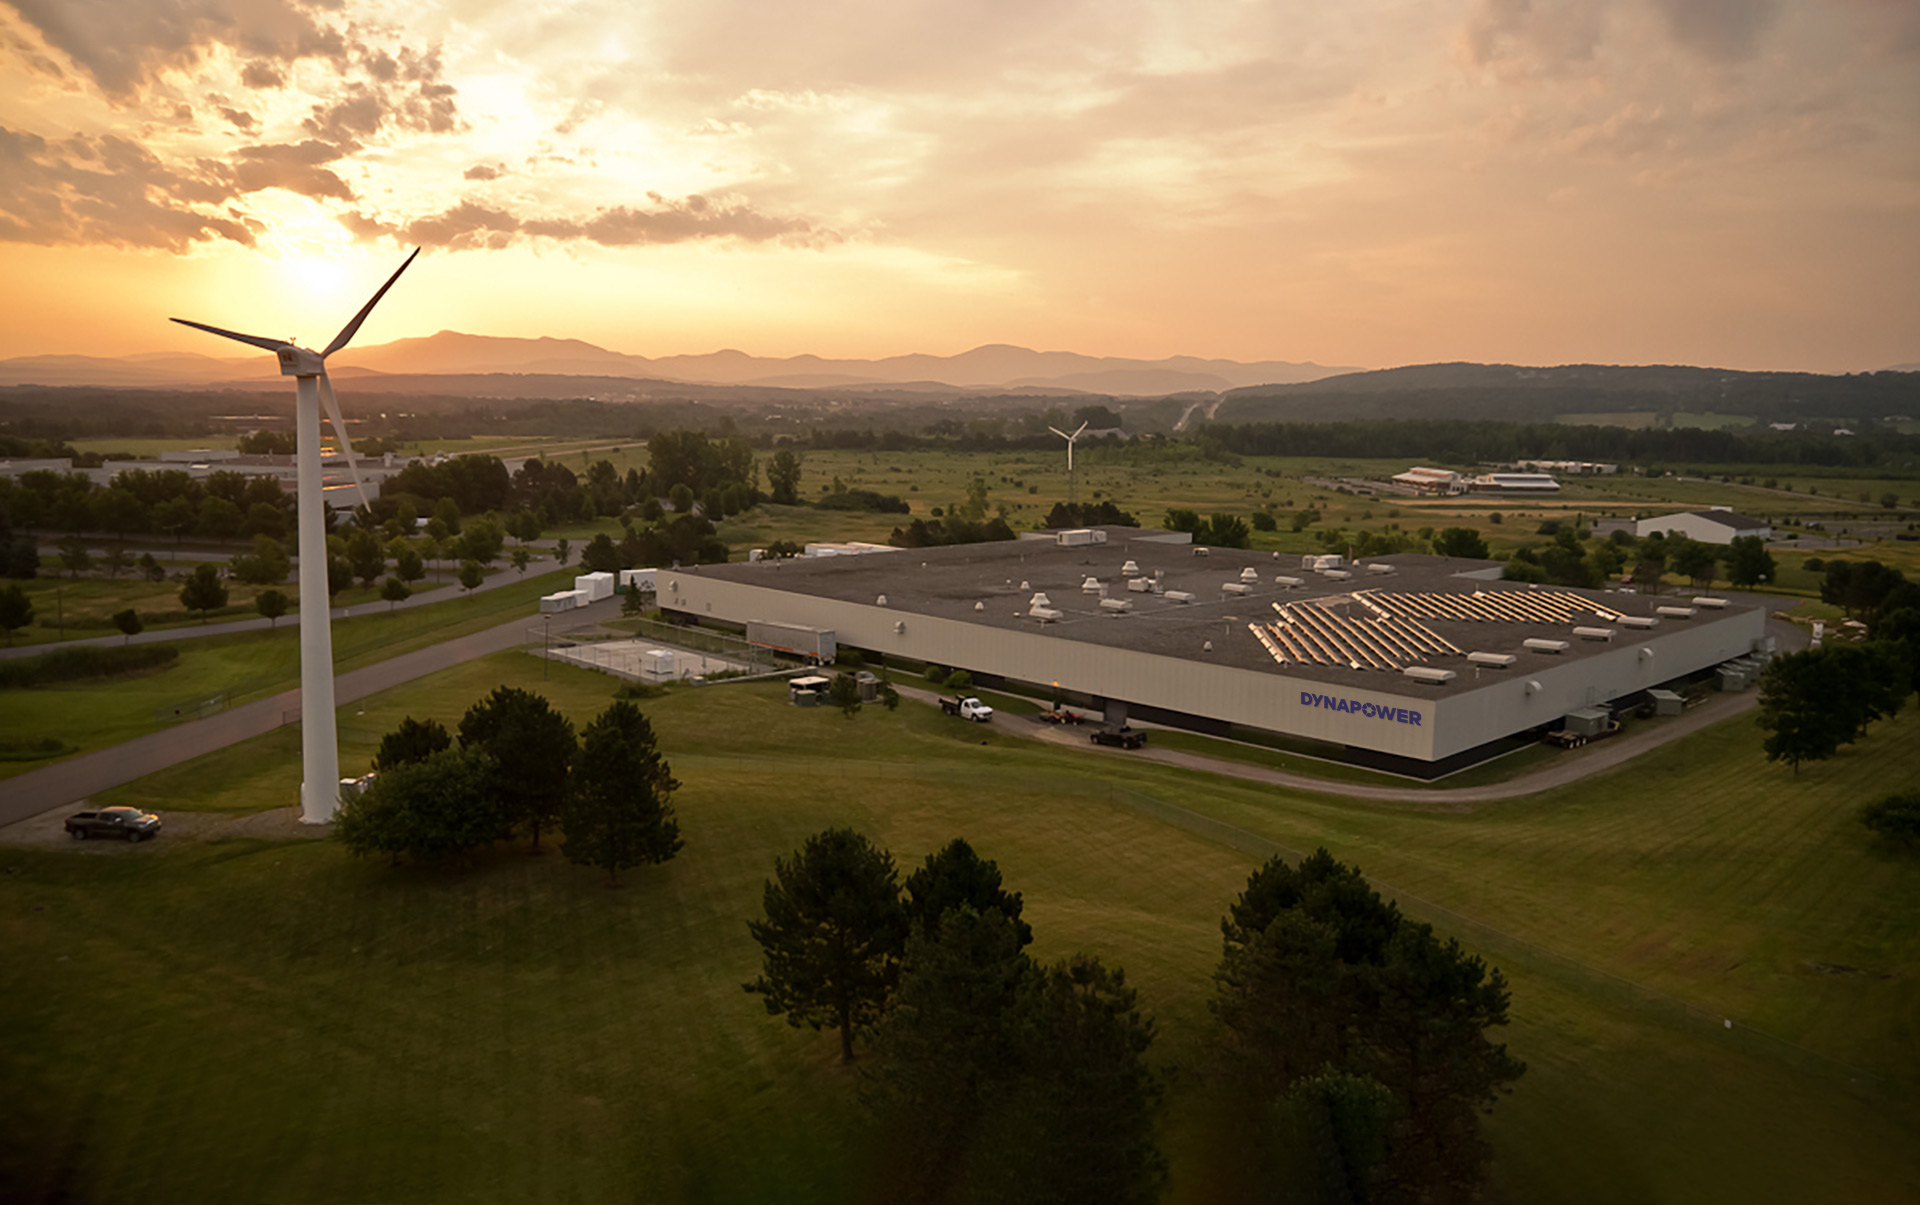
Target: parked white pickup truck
967,709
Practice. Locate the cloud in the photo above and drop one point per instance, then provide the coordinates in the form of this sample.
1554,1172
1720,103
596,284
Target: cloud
263,75
240,120
1725,31
106,190
471,225
123,47
483,171
294,167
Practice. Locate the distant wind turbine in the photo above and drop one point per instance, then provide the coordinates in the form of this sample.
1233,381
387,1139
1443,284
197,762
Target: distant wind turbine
1073,497
319,743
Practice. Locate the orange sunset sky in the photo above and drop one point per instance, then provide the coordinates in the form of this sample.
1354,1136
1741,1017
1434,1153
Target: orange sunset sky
1725,182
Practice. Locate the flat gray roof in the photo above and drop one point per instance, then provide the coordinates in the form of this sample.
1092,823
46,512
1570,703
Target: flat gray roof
1324,627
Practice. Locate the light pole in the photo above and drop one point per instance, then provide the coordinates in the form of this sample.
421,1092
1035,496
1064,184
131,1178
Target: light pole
546,645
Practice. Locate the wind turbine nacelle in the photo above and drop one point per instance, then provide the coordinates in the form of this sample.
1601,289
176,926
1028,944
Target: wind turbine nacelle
299,362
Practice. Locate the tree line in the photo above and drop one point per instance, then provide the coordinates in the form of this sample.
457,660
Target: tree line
1359,1036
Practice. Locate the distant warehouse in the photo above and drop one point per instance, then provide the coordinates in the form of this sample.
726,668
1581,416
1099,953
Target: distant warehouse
1716,526
1415,663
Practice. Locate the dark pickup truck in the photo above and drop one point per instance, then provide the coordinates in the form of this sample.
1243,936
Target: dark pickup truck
1125,738
131,823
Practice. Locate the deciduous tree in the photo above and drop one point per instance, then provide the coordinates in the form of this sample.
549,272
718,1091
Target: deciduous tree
16,610
395,592
428,810
844,692
204,591
833,935
413,741
272,604
129,623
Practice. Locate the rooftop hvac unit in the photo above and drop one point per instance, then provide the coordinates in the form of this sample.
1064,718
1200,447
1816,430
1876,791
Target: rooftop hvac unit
1715,603
1675,612
1637,621
1090,586
1179,596
1378,567
1043,614
1116,605
1202,550
1140,585
1249,574
1040,600
1287,583
1236,588
1428,674
1594,633
1076,537
1336,575
1321,562
1496,660
1131,568
1545,646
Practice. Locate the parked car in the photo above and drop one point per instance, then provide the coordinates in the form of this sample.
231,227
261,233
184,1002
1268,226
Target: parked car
131,823
1125,738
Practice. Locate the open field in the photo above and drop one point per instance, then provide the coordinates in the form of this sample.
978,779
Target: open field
291,1024
243,667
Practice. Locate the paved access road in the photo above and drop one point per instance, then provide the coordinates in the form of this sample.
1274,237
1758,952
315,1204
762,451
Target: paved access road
67,782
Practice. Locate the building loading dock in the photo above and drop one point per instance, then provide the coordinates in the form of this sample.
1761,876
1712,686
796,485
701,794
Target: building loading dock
1419,663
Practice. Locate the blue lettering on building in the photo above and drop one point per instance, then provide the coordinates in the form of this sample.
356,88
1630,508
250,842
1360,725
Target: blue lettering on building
1372,711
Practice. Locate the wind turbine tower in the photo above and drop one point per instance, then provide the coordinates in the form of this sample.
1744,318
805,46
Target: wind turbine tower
1073,496
319,743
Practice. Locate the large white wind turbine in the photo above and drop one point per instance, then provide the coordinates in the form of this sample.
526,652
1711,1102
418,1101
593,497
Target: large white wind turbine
1072,494
319,744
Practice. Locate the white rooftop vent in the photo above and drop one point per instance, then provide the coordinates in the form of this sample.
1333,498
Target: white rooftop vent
1206,646
1043,614
1090,586
1379,567
1116,605
1594,633
1179,596
1715,603
1545,646
881,601
1236,588
1201,550
1675,612
1637,621
1249,574
1496,660
1025,586
1040,600
1130,568
1338,575
1287,583
979,606
1428,674
1140,585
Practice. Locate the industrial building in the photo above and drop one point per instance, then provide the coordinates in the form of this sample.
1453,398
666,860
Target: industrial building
1415,663
1717,526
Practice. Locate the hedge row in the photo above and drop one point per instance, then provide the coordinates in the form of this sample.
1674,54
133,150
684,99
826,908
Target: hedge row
72,665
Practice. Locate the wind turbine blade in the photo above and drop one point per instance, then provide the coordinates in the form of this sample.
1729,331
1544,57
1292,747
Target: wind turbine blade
347,332
1060,433
1076,434
340,428
257,340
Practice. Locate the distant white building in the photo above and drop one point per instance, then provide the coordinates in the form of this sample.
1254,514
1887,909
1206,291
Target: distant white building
1717,526
1514,483
1433,481
1570,468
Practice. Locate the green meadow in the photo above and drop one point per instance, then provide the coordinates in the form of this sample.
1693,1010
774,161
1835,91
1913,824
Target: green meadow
247,1013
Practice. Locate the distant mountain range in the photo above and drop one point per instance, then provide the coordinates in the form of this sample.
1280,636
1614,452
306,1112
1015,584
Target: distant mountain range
449,353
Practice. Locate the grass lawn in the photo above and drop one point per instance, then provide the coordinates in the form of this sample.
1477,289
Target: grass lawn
286,1023
244,666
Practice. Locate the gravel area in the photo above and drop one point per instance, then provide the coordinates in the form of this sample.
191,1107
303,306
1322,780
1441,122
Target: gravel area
49,829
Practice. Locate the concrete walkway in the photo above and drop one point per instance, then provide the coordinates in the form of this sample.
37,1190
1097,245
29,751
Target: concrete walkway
67,782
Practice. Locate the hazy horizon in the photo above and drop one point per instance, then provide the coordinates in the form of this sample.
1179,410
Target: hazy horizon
1534,182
